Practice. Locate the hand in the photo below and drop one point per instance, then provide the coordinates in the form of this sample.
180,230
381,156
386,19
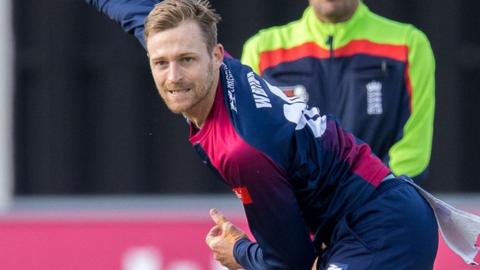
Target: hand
221,238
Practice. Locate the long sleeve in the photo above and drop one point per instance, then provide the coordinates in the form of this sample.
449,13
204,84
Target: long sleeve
129,14
274,217
411,154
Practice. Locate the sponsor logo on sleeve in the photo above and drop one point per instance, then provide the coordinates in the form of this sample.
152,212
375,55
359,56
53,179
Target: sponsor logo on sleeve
243,195
230,82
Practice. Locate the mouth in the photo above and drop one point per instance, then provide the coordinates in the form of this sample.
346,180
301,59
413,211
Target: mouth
178,91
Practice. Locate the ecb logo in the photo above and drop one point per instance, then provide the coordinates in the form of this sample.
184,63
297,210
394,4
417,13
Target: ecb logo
374,97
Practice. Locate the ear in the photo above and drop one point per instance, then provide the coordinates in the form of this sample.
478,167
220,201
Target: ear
218,53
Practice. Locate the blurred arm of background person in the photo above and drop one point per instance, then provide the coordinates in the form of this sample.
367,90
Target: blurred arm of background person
376,75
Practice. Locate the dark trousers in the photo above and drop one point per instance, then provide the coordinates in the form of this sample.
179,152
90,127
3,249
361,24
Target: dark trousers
395,230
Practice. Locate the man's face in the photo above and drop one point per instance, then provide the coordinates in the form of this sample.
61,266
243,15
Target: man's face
185,73
333,10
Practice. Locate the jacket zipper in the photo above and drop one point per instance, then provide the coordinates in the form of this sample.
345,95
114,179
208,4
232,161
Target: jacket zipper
330,81
329,42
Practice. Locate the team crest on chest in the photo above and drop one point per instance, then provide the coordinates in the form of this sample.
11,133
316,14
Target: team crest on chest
374,97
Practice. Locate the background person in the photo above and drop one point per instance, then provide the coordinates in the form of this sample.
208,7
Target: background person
377,76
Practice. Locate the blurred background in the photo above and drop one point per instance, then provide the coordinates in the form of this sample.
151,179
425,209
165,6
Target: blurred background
88,120
83,127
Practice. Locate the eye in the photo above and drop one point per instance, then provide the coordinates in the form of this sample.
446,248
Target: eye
187,59
160,63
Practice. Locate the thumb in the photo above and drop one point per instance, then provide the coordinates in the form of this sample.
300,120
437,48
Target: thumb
217,217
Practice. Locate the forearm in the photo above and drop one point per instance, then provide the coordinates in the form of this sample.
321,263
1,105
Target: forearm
128,13
249,254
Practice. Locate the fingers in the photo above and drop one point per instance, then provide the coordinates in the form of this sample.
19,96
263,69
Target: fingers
217,217
215,231
212,235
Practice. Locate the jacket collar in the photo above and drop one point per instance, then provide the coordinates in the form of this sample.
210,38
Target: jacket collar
321,30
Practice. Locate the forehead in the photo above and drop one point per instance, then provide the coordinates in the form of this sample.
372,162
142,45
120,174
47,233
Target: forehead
185,38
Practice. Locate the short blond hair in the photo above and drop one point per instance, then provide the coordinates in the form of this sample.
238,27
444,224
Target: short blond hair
170,13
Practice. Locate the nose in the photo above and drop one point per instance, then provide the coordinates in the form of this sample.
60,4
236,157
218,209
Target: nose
174,73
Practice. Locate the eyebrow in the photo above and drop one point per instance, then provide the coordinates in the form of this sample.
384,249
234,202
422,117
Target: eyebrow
187,54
